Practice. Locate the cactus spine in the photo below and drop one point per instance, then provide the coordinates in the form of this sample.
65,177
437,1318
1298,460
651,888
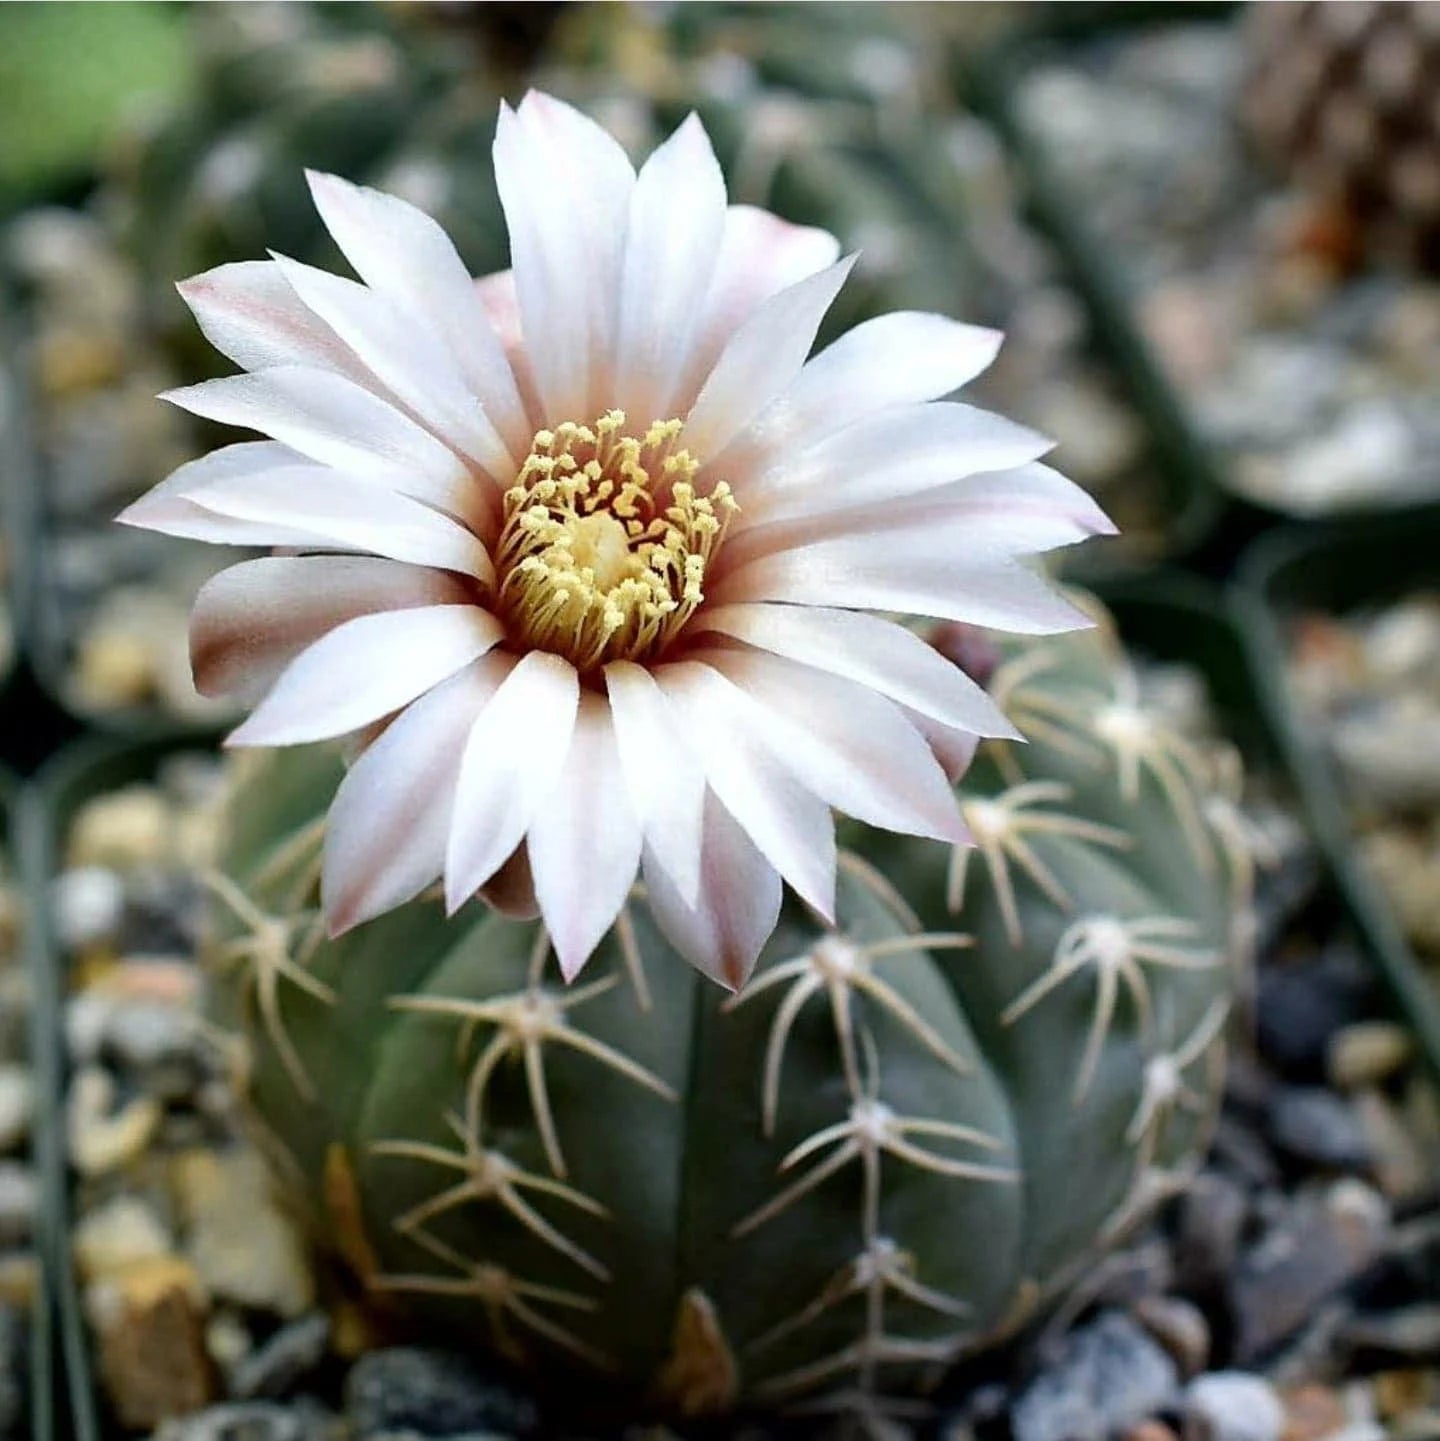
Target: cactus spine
905,1134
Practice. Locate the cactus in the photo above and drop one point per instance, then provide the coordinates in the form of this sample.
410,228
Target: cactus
895,1144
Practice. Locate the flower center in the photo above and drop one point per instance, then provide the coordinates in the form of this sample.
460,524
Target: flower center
605,541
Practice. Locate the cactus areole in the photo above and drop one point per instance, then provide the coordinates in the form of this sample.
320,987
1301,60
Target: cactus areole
909,1129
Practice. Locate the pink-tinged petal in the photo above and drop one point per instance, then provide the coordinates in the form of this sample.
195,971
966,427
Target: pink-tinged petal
565,188
792,827
253,619
760,255
333,510
722,932
334,421
762,358
954,749
387,828
857,572
501,303
677,217
366,669
868,650
584,843
901,452
404,255
249,312
892,360
405,354
665,779
849,745
511,763
171,509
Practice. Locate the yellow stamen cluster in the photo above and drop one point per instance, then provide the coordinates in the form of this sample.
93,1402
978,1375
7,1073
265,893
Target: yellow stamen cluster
605,541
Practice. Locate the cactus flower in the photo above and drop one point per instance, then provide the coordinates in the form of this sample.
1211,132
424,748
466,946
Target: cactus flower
584,557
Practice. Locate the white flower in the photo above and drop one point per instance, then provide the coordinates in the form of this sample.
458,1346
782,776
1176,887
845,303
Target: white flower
582,552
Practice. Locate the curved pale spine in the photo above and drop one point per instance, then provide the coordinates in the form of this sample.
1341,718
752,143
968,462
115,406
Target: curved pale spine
888,1150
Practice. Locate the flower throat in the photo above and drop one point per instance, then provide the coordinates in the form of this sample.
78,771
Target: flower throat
605,542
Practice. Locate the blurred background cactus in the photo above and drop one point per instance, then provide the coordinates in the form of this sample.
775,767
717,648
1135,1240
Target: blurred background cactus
901,1139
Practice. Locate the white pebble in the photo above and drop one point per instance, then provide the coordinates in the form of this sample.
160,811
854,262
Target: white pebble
1232,1406
88,903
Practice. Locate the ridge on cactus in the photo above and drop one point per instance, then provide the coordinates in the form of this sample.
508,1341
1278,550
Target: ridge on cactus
581,554
914,1128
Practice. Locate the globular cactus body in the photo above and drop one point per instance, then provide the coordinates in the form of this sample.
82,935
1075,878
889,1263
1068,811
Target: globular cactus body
890,1148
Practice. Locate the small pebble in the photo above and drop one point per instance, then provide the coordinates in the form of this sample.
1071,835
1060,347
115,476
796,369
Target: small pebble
1232,1406
1318,1127
101,1139
287,1357
1313,1413
17,1103
1108,1375
117,1233
89,902
1368,1053
432,1393
1180,1327
123,829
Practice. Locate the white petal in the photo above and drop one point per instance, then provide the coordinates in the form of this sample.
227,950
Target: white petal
947,521
511,763
406,356
565,187
677,216
335,510
857,572
723,932
895,359
864,648
403,254
251,313
387,827
252,619
169,507
954,749
584,842
900,452
760,255
665,779
762,357
847,744
365,669
334,421
792,827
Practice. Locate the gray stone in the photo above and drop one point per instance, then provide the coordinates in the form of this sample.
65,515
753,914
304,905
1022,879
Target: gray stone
249,1421
1232,1406
1318,1127
290,1354
1322,1243
1210,1220
433,1393
1107,1376
1179,1327
1407,1337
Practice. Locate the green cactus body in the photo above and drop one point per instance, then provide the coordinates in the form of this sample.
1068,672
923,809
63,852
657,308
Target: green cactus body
886,1152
